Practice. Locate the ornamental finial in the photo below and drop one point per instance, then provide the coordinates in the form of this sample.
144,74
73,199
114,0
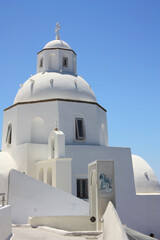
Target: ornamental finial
57,31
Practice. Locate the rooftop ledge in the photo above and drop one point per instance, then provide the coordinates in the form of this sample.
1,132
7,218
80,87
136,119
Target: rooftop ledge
56,99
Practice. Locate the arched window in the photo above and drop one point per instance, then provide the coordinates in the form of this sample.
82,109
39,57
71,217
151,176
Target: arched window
41,174
9,134
49,176
52,61
37,130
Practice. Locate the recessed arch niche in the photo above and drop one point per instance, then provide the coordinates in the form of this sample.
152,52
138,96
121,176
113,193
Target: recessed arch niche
49,176
41,174
51,146
37,130
102,135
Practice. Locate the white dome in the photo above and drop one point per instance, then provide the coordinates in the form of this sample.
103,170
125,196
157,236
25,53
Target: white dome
57,44
144,176
52,85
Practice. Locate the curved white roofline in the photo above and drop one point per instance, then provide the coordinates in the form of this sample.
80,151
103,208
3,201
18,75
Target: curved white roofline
52,85
57,44
144,176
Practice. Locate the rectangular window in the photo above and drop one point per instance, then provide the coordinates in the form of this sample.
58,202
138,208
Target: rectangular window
41,62
9,134
65,62
82,188
79,128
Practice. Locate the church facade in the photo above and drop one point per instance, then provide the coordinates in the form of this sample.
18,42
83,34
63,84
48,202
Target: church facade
56,127
54,116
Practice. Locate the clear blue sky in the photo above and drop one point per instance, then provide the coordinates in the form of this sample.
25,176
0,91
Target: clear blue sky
118,51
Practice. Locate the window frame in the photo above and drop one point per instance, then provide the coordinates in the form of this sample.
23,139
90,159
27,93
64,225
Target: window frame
82,188
77,130
41,62
9,134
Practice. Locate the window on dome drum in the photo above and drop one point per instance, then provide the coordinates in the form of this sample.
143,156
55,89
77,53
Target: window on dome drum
41,62
9,134
65,62
82,188
79,129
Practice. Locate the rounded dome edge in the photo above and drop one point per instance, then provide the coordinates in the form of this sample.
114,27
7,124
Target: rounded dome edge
144,176
57,44
51,85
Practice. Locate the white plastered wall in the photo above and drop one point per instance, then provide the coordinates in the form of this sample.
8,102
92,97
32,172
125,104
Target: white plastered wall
92,121
39,199
120,156
50,114
112,226
136,211
5,223
102,127
60,172
6,164
23,117
145,216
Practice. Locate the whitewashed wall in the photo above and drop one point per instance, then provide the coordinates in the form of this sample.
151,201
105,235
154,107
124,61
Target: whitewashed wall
112,226
6,164
30,197
5,223
32,123
144,215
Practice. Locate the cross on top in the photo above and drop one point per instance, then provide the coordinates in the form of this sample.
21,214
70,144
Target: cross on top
57,31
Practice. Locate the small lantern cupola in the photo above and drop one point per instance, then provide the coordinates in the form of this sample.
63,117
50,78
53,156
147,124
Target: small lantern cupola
57,56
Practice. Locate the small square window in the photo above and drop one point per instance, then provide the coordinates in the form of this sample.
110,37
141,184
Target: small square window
82,188
79,129
65,62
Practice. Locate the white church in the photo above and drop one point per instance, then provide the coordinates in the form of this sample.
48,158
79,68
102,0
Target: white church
53,130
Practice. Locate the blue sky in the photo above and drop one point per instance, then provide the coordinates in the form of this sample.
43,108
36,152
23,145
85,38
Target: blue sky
118,52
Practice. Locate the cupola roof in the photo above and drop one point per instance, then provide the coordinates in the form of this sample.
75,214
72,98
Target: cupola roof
53,80
57,44
52,85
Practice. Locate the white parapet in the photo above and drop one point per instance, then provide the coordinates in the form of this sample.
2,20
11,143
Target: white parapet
112,226
31,198
69,223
